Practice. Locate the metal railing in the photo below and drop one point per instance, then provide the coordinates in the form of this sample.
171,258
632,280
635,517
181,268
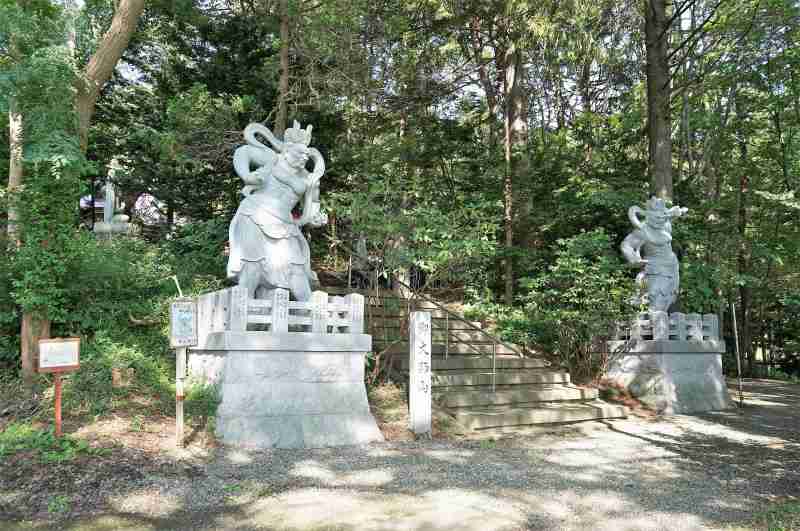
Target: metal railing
377,301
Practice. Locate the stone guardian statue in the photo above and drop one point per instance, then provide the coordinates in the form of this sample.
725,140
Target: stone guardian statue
267,248
650,245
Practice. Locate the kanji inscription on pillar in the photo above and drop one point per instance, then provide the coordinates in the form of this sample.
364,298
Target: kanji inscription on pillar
419,400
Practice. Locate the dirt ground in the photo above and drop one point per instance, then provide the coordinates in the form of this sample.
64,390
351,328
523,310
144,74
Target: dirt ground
713,471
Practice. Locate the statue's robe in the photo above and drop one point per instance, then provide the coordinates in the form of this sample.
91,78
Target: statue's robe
258,235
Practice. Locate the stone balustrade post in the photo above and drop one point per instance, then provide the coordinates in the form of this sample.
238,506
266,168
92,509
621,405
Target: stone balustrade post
237,320
319,312
711,326
694,327
636,326
280,311
356,303
680,326
660,324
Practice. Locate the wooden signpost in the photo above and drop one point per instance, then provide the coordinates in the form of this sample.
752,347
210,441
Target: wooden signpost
182,334
56,356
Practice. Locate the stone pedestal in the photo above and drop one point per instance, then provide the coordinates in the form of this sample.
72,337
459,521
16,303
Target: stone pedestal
672,376
105,230
292,390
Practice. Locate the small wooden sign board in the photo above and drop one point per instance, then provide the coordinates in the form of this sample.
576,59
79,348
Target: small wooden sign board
182,334
59,354
183,323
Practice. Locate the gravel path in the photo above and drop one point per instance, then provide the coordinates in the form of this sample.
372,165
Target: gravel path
707,472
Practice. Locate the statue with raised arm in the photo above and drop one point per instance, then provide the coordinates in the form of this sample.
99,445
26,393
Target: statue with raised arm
650,245
267,248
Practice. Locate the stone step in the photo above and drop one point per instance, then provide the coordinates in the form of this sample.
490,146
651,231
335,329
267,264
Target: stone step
395,320
512,377
456,334
480,362
394,328
498,417
519,396
455,349
377,312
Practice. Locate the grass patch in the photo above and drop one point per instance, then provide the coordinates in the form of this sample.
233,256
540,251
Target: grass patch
388,402
19,437
202,400
781,516
58,505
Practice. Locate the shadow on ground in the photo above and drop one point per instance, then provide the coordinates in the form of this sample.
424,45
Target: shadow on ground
711,471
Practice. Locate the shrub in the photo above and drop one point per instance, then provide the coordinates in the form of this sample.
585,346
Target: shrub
572,306
197,254
146,350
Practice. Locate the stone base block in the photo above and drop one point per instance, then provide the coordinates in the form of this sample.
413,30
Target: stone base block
288,399
298,431
672,377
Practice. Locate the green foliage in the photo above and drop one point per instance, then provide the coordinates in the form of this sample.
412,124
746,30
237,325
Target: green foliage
58,504
9,319
39,74
780,516
146,350
576,302
197,253
175,147
402,113
418,201
700,286
22,437
83,284
202,400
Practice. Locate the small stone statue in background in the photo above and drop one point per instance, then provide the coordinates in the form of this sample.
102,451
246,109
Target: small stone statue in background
660,279
267,248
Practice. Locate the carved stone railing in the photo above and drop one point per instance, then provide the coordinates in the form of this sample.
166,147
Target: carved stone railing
229,310
661,326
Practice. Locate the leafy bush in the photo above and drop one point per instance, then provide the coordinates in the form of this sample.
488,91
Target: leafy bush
571,308
22,437
196,253
146,350
202,400
115,280
9,321
699,287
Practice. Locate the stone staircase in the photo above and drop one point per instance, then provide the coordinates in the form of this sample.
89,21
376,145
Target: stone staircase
520,391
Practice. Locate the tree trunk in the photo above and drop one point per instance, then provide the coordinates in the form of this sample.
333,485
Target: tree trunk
283,85
15,141
31,326
33,329
101,65
658,95
515,139
477,44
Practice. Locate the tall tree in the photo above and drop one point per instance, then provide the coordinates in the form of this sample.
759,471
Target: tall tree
658,98
103,62
35,320
283,84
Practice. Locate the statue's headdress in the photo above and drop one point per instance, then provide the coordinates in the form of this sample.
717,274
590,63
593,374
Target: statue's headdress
297,135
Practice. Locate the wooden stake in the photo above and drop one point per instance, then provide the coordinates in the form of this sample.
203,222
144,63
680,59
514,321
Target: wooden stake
57,379
180,374
738,355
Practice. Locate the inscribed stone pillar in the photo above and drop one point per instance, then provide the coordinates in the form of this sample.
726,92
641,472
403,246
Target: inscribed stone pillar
419,400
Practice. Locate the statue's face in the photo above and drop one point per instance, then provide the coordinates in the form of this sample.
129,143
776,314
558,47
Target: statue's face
658,220
297,156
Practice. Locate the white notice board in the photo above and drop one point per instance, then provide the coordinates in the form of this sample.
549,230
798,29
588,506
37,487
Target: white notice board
183,323
59,354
